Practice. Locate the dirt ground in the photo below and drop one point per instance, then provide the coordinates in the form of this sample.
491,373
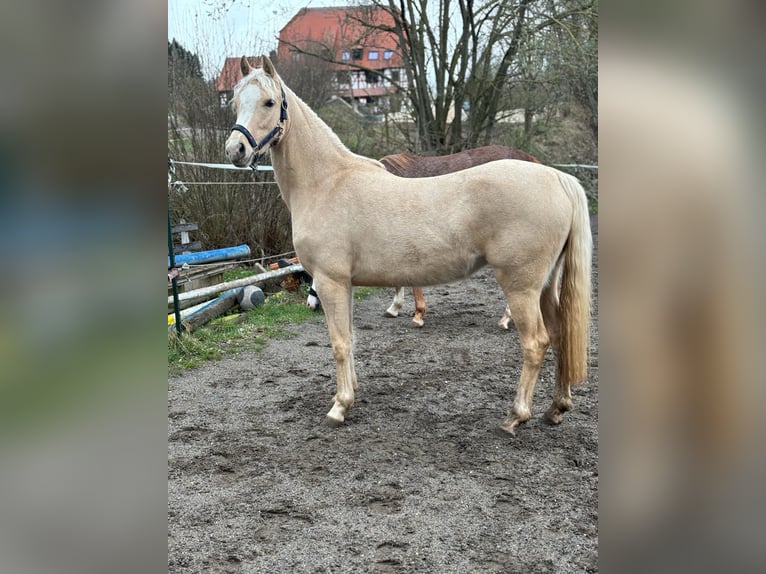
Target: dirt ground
419,478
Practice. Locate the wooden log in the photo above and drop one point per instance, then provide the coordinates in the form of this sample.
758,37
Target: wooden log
216,307
188,303
253,280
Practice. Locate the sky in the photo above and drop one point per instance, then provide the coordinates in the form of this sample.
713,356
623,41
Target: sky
216,29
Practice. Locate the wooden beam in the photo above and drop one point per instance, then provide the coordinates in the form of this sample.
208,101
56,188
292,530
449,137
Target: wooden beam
193,246
184,227
253,280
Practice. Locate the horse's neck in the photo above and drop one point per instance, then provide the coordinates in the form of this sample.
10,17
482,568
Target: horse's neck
308,151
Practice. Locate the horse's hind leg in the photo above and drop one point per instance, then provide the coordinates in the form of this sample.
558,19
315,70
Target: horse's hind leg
337,304
396,305
420,305
562,398
533,336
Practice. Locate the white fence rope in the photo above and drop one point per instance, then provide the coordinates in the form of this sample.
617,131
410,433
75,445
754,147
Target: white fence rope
574,165
223,165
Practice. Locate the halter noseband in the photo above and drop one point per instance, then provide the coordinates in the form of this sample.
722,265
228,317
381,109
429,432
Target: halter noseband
274,134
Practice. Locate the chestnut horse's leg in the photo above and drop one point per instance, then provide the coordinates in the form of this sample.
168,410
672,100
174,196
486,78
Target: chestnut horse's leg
396,305
533,336
336,300
420,305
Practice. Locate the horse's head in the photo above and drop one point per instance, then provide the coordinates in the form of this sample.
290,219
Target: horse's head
259,100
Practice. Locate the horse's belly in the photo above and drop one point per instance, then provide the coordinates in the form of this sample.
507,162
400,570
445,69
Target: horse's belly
417,271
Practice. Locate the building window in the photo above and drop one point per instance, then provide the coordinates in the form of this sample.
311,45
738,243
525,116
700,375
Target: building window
388,54
372,55
371,77
356,54
394,75
345,55
296,56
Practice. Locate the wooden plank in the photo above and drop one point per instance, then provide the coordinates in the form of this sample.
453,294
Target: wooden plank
184,227
193,246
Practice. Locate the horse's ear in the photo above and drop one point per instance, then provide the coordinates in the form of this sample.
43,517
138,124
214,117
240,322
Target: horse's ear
245,66
268,67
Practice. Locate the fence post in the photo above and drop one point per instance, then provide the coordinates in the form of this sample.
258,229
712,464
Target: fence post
173,280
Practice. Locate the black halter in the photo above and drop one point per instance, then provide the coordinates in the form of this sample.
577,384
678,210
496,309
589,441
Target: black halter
274,134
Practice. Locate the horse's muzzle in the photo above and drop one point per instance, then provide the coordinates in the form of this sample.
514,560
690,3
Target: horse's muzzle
237,152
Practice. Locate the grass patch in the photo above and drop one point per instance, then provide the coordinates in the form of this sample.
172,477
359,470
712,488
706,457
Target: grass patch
364,292
248,330
239,273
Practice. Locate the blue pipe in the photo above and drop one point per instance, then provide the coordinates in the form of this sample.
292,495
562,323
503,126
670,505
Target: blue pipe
212,255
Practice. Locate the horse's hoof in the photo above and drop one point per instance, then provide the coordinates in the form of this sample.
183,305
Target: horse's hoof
555,415
511,422
509,426
336,416
331,422
418,322
390,313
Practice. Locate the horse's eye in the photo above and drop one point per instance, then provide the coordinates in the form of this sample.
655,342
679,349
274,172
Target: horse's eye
270,103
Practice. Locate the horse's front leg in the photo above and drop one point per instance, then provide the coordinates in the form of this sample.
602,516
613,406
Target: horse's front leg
337,304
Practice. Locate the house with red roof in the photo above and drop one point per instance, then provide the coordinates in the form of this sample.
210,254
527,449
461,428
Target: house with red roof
368,64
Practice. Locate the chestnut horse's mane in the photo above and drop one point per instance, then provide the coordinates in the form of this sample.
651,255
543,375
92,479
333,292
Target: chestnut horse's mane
410,165
399,162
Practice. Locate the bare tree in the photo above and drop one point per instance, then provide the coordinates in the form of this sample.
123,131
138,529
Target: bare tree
459,58
310,77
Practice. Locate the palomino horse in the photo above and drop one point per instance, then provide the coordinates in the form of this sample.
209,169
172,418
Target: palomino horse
528,221
409,165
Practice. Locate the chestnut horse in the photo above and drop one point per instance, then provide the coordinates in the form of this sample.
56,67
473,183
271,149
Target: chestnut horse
529,222
409,165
